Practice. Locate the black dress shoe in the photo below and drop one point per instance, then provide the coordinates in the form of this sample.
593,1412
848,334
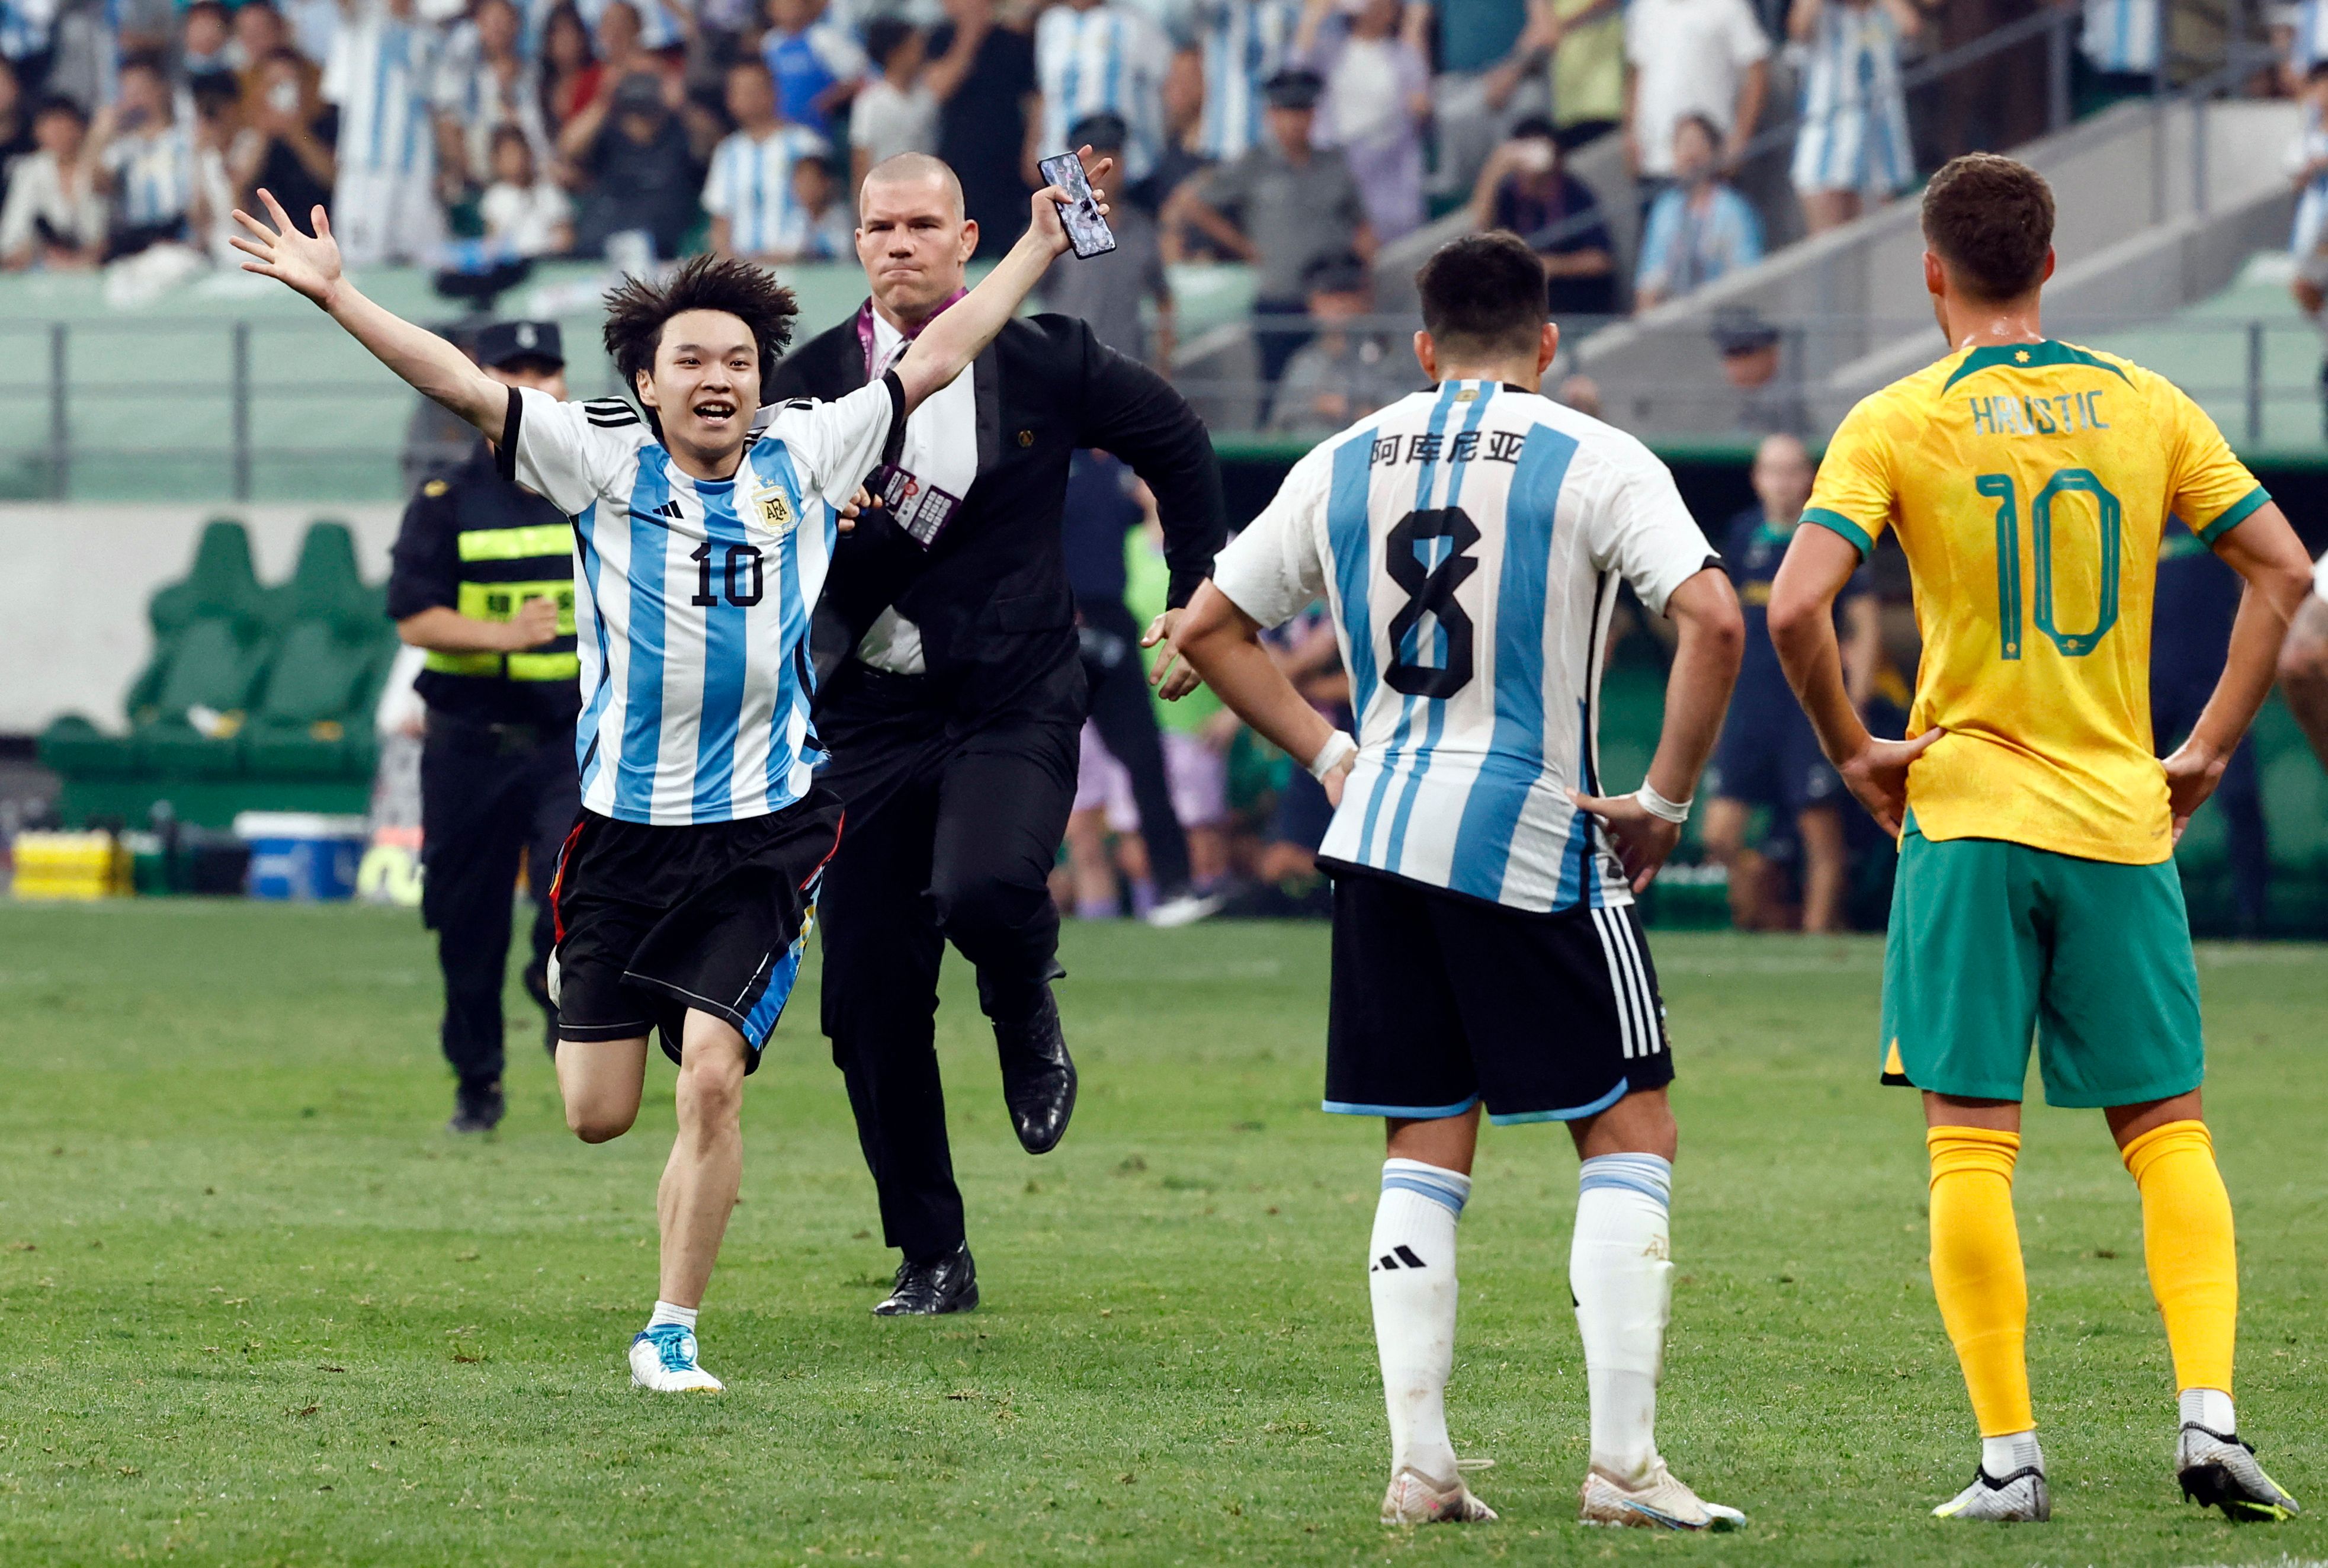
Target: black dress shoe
476,1108
1038,1080
949,1284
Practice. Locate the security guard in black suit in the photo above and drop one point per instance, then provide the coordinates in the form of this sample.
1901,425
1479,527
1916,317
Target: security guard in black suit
484,580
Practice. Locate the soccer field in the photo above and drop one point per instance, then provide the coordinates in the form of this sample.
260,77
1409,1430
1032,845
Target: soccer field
260,1308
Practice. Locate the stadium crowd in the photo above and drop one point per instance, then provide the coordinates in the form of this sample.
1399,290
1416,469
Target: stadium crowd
1288,134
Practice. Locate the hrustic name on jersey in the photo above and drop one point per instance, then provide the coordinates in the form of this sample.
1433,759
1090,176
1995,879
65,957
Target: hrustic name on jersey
2060,414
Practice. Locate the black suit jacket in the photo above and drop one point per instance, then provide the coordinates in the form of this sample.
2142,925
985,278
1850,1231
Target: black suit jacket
991,596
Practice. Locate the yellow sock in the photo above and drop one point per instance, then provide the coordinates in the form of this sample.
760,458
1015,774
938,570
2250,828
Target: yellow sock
1977,1271
2187,1244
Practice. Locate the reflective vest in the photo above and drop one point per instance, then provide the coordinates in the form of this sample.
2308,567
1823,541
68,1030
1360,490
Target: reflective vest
501,569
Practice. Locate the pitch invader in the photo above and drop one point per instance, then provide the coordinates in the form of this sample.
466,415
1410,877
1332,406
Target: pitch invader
1470,541
2029,481
702,535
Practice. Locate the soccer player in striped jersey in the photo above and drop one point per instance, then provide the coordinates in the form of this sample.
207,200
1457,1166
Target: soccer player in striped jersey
1245,42
702,535
1469,542
383,75
2030,481
1095,57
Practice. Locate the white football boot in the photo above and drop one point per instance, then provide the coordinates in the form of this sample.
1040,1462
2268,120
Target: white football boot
2019,1498
1415,1498
1660,1502
2219,1471
664,1359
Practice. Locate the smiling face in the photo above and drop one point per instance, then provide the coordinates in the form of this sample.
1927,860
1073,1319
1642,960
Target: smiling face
705,386
913,242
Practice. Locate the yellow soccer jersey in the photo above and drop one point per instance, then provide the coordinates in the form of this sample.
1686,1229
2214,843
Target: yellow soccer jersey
2029,483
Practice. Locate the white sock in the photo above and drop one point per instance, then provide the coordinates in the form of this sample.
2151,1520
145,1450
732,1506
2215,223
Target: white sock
664,1312
1620,1272
1411,1275
2210,1408
2012,1452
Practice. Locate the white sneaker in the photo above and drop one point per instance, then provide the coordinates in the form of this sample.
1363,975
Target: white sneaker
2019,1498
1660,1502
2220,1472
1186,909
664,1359
1415,1498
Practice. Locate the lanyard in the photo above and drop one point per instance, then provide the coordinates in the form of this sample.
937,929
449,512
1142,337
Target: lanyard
865,331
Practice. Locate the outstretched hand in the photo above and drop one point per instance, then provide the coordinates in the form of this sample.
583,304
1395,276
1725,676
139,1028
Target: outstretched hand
1877,776
309,264
1045,224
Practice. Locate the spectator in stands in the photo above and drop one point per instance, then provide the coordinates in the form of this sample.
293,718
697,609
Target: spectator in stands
486,86
314,28
982,75
1699,228
217,125
639,176
525,213
1752,356
2300,33
1281,206
1586,41
570,71
288,138
1108,291
1242,44
826,226
1377,98
817,66
1707,57
205,40
53,217
1524,189
259,31
749,191
382,74
27,43
1768,755
1483,83
16,137
2118,41
1854,132
147,162
894,111
2308,243
615,38
1348,370
1100,57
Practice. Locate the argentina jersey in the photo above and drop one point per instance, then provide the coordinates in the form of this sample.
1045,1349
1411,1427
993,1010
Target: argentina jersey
1108,60
1245,42
1469,542
691,596
383,75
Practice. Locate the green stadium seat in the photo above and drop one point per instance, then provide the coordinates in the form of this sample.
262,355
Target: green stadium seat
315,700
77,748
220,582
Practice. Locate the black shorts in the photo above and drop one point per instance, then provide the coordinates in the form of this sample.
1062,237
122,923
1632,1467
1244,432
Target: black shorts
654,921
1769,756
1441,1001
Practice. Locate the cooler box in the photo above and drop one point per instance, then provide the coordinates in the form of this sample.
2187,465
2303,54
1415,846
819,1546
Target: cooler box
301,855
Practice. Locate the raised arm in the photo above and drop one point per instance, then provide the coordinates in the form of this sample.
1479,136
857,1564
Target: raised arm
310,265
948,344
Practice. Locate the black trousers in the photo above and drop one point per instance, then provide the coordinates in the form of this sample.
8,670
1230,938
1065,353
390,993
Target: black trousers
952,826
1127,722
489,794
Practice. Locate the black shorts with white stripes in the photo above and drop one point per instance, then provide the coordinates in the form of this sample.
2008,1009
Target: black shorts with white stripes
1441,1001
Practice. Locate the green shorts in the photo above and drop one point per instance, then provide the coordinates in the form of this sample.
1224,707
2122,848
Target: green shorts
1991,942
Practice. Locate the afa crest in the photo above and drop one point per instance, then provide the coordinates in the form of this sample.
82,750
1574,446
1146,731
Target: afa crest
777,513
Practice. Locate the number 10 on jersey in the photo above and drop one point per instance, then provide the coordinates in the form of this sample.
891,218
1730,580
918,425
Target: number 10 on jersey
1999,488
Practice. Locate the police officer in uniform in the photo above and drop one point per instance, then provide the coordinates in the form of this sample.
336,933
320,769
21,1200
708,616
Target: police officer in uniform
484,580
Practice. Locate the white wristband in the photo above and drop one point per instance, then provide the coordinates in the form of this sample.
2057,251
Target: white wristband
1658,806
1338,749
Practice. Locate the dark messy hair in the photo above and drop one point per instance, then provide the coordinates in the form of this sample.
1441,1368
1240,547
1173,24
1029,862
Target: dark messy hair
1483,293
637,310
1991,221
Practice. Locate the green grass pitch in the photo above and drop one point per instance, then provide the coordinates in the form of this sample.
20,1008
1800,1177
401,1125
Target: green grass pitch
259,1307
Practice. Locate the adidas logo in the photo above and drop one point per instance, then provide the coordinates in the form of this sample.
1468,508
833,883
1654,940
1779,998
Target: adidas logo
670,509
1398,1257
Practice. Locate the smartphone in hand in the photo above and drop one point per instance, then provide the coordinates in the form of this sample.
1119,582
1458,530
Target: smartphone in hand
1087,230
